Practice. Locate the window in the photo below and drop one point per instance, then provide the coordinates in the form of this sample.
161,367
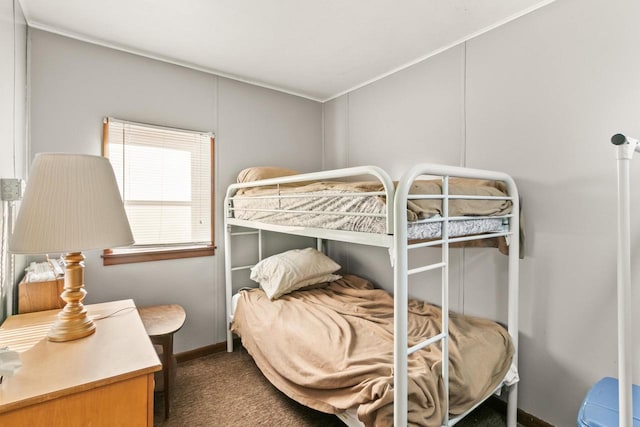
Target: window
165,178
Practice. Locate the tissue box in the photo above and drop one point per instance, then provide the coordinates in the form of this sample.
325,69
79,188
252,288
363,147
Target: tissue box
39,296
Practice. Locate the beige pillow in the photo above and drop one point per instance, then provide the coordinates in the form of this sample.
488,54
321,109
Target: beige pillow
264,172
291,270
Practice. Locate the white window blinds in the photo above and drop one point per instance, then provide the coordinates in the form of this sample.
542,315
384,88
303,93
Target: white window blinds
165,179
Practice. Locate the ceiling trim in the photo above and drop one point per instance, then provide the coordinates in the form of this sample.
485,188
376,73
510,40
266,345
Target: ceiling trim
447,47
140,52
82,37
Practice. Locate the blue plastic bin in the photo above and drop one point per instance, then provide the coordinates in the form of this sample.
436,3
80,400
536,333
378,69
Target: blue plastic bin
600,406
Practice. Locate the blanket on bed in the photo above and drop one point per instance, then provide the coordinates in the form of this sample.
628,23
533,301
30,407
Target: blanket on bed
416,209
332,348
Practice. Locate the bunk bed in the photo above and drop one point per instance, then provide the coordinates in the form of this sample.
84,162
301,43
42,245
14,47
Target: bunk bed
404,216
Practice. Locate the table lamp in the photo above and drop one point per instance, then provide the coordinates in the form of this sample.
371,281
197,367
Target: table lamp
71,204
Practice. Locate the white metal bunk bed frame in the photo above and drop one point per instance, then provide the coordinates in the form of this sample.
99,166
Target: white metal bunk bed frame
396,241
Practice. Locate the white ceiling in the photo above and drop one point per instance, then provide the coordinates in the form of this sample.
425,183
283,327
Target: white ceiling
318,49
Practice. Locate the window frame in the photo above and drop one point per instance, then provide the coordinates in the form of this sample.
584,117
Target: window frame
158,253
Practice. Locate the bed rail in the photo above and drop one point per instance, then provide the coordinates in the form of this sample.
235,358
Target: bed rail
379,174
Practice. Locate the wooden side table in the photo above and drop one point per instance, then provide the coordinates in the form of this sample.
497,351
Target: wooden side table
103,380
161,322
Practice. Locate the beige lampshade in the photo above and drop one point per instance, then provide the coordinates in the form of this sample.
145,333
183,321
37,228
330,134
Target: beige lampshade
71,204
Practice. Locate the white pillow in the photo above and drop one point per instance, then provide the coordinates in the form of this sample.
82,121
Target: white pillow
285,272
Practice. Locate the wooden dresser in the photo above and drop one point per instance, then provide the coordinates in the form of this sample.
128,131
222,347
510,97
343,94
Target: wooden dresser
105,379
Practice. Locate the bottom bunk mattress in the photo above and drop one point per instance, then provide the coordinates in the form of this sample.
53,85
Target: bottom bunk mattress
331,348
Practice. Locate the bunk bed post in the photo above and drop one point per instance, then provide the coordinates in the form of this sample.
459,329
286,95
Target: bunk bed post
444,344
228,282
625,148
513,295
400,304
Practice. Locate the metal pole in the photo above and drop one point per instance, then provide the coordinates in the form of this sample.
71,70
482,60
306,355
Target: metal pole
228,283
514,297
400,300
624,294
445,297
625,149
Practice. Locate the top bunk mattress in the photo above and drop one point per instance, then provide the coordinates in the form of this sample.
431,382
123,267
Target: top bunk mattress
361,206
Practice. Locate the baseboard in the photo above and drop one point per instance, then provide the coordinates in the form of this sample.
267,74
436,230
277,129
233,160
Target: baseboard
524,418
204,351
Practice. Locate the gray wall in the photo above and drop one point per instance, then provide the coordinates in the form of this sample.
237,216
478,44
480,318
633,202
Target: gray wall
412,116
561,82
75,84
538,98
13,145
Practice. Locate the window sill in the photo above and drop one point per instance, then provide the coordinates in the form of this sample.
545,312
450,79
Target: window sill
128,256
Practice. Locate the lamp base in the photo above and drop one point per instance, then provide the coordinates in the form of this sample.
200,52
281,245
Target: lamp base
71,325
73,322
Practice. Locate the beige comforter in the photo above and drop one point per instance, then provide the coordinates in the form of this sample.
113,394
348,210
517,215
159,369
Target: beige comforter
332,348
416,209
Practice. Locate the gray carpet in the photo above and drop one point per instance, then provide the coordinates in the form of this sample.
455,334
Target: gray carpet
227,389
